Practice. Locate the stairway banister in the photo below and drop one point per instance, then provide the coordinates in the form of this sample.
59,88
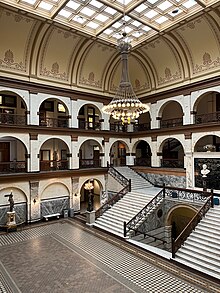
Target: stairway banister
111,201
124,181
138,216
177,243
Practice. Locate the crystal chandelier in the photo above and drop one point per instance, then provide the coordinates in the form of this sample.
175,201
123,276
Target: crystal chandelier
125,106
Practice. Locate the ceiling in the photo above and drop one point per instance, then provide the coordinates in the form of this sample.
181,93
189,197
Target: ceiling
107,20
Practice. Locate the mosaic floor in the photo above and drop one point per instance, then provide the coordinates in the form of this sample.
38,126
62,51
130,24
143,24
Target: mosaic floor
64,257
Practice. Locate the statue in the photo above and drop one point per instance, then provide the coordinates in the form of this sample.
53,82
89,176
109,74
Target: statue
204,170
11,201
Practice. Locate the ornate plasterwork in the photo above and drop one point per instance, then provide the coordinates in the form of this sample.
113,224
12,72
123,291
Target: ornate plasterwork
168,76
54,71
8,62
207,63
9,56
90,80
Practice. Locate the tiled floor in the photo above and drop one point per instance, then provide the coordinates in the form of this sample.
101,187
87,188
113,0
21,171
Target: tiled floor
63,257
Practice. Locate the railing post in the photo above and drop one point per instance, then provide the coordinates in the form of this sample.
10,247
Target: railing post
125,229
164,190
173,247
129,185
212,199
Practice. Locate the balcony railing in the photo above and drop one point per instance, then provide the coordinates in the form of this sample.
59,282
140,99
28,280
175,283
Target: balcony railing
209,117
142,127
89,163
142,162
117,127
172,163
14,119
171,123
54,122
90,125
52,165
13,167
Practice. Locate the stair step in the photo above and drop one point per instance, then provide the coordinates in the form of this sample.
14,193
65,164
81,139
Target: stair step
200,241
202,254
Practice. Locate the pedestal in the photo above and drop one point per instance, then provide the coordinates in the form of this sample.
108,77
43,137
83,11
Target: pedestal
90,218
11,223
11,219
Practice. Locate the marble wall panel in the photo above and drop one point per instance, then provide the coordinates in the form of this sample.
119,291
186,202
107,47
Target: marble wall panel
53,206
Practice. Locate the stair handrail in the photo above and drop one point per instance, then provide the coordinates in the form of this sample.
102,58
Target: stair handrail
118,176
112,201
143,213
177,243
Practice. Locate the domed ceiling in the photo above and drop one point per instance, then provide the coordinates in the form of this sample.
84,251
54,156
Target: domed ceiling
73,44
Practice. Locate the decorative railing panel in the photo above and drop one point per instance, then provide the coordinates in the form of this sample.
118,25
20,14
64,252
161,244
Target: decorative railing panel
171,123
54,122
14,119
90,125
185,194
177,243
118,127
172,163
13,167
142,162
118,176
206,118
112,201
142,127
52,165
89,163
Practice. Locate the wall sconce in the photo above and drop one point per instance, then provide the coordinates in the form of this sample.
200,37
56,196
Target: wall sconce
75,194
35,200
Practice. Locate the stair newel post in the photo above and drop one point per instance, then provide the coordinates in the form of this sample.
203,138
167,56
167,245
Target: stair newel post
164,190
212,199
173,247
129,185
125,229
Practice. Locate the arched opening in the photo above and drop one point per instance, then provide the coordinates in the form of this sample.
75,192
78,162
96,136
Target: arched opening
54,155
90,194
143,154
207,108
53,113
172,154
13,155
179,217
172,115
208,143
118,154
12,109
89,154
89,117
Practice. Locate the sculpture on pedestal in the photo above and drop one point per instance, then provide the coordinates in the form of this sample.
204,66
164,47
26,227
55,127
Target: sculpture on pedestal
11,201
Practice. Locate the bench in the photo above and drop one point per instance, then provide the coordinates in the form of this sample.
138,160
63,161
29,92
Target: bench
51,216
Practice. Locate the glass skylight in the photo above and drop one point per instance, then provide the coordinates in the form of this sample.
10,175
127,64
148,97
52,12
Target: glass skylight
104,18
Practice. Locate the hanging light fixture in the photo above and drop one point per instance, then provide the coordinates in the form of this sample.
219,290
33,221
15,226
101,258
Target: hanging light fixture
125,106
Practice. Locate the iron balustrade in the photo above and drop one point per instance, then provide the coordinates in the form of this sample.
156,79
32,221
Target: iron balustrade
172,163
168,123
167,192
54,122
142,127
132,225
118,127
89,163
53,165
142,162
119,177
206,118
13,167
90,125
178,242
14,119
112,201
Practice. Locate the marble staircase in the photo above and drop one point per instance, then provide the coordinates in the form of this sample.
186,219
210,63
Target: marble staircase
201,250
127,207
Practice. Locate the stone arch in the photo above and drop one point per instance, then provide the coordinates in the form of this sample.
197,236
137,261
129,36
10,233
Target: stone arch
143,153
179,216
118,151
89,117
207,143
90,151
